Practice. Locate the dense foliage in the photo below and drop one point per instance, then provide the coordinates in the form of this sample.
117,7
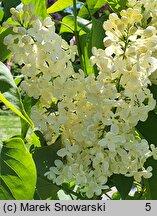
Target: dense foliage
85,90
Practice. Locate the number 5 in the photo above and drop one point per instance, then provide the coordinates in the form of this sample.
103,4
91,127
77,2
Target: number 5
148,207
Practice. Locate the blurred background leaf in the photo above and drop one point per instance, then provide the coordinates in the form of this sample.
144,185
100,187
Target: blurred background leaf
40,6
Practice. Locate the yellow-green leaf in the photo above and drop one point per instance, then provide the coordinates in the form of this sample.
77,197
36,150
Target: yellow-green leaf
9,94
59,5
40,6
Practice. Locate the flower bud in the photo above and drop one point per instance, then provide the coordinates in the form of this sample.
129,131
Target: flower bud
124,19
48,22
148,32
138,17
25,17
132,30
113,17
26,39
8,40
131,51
21,30
121,27
123,13
142,49
33,18
15,14
13,10
130,11
107,42
15,29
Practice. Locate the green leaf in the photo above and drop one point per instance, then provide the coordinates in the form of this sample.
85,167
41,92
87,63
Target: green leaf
90,8
117,5
123,184
148,128
25,125
151,183
9,94
86,52
68,25
59,5
41,138
1,14
96,40
40,6
98,32
99,4
153,89
46,190
33,141
4,55
95,4
84,30
44,158
9,4
84,12
17,171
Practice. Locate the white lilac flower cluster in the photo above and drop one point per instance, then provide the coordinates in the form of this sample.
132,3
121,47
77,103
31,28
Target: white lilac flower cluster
45,58
95,116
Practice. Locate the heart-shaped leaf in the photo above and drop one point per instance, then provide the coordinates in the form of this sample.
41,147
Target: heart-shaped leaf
17,171
44,158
